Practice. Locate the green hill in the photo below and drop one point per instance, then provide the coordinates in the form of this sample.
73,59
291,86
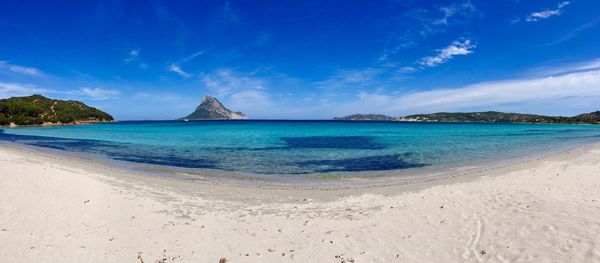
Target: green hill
592,117
37,110
487,116
365,117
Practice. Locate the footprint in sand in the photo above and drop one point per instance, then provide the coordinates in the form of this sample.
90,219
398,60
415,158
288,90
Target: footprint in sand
473,243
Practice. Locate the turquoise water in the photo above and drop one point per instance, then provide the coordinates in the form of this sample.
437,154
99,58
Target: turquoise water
302,147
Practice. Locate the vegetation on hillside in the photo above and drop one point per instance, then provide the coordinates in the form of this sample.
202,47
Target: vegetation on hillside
488,116
365,117
37,109
592,117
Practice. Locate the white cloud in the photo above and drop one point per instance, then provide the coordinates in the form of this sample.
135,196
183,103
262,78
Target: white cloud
132,56
177,69
553,93
250,102
407,69
247,93
158,96
225,81
418,24
134,53
192,56
593,64
457,48
229,13
464,9
349,78
96,93
8,89
574,32
545,14
17,69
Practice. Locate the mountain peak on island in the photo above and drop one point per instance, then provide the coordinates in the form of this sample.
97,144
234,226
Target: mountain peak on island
212,109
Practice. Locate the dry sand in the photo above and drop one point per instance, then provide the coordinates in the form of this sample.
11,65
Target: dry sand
58,209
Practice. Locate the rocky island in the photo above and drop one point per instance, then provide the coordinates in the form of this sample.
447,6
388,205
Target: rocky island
39,110
211,109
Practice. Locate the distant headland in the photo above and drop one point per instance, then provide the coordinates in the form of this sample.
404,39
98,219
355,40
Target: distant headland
487,116
39,110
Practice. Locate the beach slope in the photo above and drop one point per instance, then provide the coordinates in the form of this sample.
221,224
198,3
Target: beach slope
55,209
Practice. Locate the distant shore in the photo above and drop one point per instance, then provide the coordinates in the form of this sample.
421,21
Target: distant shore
62,210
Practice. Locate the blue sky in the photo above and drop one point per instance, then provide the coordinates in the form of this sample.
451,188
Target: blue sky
305,59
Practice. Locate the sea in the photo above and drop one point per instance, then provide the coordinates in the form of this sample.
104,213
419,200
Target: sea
301,149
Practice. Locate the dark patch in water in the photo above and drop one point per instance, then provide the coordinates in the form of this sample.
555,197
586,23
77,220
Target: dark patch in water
166,160
334,142
73,145
370,163
539,132
554,131
15,137
245,148
514,134
115,151
387,132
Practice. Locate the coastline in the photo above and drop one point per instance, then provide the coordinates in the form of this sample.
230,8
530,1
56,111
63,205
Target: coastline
58,209
326,181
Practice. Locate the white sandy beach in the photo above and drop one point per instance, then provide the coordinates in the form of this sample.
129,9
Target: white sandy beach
56,209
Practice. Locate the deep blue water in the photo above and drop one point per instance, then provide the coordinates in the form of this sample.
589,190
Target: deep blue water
302,147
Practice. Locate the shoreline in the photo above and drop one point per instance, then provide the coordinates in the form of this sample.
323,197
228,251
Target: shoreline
429,175
125,170
62,210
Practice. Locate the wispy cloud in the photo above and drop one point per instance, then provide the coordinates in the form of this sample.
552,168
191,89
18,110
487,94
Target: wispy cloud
177,66
407,69
544,14
579,90
573,33
244,92
349,78
158,96
565,68
18,69
253,102
96,93
456,48
177,69
132,55
226,82
192,56
9,89
424,23
464,9
229,13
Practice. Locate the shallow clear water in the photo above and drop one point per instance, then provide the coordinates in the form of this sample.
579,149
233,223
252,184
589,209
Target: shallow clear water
302,147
